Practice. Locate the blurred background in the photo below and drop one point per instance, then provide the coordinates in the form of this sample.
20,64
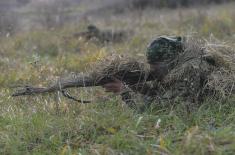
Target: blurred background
25,15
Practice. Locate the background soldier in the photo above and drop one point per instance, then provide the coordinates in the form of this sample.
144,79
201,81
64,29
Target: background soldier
94,33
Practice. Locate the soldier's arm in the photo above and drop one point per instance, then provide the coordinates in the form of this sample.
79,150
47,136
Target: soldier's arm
148,88
127,96
128,92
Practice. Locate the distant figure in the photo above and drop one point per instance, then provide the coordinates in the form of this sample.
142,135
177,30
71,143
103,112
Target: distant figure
93,33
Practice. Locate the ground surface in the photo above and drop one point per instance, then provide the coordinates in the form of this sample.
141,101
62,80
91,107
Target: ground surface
52,124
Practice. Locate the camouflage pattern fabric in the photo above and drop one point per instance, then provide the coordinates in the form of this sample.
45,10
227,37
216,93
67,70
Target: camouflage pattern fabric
164,49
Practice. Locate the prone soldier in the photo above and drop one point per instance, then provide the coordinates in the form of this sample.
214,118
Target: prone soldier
181,73
94,33
179,70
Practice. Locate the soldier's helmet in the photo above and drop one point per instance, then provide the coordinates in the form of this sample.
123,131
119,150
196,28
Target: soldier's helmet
92,29
164,49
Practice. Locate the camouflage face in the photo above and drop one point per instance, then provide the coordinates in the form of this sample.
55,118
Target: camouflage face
164,49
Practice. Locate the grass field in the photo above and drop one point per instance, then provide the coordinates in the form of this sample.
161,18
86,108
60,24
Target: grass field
52,124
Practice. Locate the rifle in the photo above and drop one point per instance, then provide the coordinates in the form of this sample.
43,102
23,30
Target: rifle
131,73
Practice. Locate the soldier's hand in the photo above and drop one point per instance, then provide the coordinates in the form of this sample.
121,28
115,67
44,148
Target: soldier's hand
115,87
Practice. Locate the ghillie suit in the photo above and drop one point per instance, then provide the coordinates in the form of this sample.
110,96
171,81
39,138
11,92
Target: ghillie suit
95,34
199,71
196,70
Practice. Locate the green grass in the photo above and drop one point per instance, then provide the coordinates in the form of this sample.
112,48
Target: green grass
110,128
51,124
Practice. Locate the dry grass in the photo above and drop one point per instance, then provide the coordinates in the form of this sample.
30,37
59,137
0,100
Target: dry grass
51,124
